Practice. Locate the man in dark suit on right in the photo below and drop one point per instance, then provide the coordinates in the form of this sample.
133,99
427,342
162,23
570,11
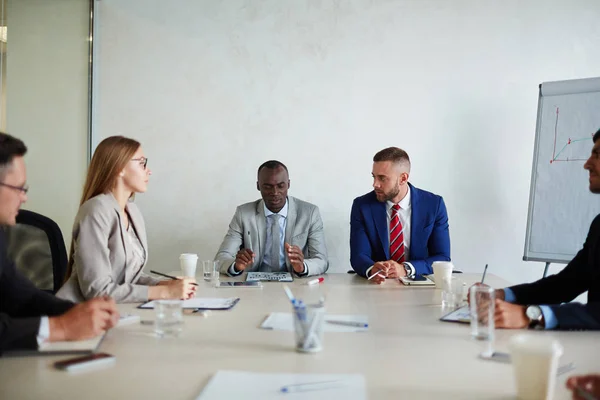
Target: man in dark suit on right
29,316
545,304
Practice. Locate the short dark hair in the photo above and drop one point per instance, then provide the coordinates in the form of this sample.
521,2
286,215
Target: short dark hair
10,147
272,164
596,136
393,154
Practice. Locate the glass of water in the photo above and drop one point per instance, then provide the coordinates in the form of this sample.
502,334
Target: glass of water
482,299
168,318
452,293
209,270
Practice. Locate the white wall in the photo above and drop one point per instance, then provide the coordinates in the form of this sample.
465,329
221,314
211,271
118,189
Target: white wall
212,89
47,101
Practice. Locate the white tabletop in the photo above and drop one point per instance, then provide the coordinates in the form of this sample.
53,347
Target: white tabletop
406,353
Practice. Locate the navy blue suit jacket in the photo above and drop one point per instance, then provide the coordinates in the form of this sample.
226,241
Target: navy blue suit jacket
580,275
429,235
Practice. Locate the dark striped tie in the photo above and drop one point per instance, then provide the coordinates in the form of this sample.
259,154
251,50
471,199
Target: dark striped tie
396,236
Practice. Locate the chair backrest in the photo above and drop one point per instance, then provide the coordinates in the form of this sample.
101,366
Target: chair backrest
37,247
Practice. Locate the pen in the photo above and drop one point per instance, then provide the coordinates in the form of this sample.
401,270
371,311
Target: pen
584,394
373,276
484,272
303,387
349,323
289,294
169,276
315,281
249,241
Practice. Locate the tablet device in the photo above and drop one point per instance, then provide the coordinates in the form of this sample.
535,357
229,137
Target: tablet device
418,280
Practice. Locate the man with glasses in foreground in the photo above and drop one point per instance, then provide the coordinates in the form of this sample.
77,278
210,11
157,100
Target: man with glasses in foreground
30,316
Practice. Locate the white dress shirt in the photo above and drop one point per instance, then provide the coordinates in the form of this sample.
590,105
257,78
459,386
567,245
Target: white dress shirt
404,213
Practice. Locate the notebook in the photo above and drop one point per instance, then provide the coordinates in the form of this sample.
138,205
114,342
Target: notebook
54,348
269,276
419,280
202,303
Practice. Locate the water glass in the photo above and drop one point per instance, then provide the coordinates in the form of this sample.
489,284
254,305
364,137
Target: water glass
168,320
452,293
309,323
482,312
210,270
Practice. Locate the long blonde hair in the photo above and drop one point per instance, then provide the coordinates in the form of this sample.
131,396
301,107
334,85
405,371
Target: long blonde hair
109,159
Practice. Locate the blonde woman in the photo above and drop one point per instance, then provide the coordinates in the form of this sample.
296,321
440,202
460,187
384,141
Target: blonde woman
109,248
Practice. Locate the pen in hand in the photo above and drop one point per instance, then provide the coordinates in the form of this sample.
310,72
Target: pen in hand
484,272
169,276
374,275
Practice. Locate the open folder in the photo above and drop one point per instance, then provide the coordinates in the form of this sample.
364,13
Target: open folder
202,303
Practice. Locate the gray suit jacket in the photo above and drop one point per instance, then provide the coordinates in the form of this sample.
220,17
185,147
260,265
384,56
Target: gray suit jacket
304,228
100,254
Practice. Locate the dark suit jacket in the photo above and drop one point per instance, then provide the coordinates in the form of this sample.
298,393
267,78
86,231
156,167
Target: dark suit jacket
22,305
429,235
580,275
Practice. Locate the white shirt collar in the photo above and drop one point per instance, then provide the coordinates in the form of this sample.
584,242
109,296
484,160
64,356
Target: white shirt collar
283,212
404,203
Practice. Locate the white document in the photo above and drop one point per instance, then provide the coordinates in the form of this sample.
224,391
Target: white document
203,303
80,346
265,386
127,319
285,322
269,276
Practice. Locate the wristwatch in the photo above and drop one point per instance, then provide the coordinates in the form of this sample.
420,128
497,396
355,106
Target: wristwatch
408,270
534,313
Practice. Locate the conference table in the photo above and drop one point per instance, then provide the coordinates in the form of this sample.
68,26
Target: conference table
406,353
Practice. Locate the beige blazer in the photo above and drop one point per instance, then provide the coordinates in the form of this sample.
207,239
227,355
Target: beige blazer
248,228
100,254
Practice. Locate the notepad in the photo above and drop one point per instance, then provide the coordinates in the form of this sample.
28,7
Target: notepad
73,347
461,315
202,303
267,386
269,276
285,322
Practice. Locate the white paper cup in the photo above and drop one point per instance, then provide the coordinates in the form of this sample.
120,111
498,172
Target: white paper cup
442,270
535,363
188,262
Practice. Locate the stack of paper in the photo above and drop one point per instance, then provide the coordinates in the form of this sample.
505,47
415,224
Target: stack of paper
333,322
265,386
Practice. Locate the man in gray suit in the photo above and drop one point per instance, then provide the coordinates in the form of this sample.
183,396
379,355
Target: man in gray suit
276,233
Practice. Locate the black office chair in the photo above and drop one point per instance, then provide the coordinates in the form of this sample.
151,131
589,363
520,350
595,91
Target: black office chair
37,247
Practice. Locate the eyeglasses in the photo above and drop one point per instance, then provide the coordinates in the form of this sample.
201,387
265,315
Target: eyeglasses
23,188
143,161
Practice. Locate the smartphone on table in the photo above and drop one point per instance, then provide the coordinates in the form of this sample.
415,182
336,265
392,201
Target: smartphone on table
84,362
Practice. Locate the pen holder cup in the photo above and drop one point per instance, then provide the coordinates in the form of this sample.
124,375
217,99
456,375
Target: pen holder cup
309,322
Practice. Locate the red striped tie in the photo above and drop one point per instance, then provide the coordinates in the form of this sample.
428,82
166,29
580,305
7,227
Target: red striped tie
396,236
